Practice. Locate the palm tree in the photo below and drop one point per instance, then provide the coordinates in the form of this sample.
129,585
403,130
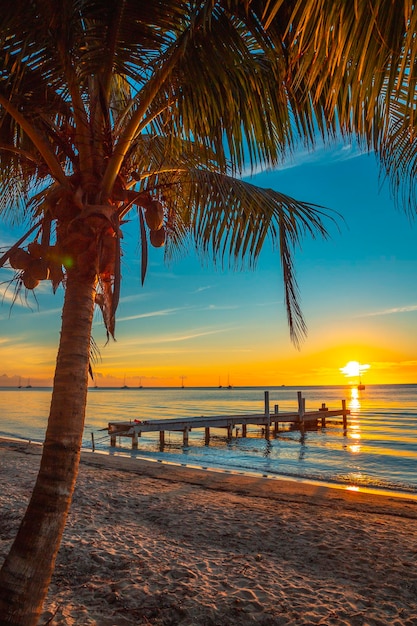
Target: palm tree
108,107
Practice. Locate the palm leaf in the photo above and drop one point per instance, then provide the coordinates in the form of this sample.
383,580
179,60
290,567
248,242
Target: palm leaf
229,221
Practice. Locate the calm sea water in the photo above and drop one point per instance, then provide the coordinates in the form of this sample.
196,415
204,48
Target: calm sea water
378,450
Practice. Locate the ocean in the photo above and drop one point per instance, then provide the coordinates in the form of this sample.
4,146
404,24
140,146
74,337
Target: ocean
378,451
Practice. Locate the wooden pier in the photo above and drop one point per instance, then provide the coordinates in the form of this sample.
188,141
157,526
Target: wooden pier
300,420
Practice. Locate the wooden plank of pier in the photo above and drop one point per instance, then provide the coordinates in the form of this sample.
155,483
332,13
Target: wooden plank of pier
300,419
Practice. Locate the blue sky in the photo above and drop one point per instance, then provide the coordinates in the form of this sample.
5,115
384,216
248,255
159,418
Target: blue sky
357,294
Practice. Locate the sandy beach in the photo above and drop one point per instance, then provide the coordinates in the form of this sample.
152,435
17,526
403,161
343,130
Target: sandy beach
147,543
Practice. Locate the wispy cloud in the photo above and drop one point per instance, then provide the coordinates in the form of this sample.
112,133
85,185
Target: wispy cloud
7,296
173,338
25,307
200,289
6,340
160,313
394,311
134,298
335,153
223,307
395,365
192,335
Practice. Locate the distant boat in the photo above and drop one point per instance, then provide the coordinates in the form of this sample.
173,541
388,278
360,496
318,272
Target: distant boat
124,386
28,386
19,386
360,385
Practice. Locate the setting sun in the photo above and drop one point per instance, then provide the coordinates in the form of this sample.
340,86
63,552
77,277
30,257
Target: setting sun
353,368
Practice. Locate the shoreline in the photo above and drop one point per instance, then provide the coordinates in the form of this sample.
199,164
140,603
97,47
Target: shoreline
248,484
154,544
280,478
286,482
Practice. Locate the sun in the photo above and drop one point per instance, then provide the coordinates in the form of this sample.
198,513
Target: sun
350,369
354,368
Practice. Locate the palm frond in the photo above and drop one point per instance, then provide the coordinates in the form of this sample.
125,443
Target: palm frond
397,152
229,221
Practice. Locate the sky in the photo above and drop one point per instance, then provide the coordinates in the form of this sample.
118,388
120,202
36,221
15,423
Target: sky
196,325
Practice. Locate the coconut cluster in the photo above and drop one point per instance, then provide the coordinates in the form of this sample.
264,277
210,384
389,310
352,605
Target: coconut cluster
154,217
86,240
38,263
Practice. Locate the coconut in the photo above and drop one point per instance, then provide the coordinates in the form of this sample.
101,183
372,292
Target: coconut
38,268
29,281
19,259
157,237
36,250
154,215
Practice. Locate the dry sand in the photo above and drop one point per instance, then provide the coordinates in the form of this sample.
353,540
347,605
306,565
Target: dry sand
147,543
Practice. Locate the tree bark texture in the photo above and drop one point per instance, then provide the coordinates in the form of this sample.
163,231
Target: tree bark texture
28,568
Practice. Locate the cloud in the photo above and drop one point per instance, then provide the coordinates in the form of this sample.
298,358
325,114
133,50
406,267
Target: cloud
7,340
216,307
395,365
165,339
160,313
7,296
336,153
135,298
187,337
26,308
394,311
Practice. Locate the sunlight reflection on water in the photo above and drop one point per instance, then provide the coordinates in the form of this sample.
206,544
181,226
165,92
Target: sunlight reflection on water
379,448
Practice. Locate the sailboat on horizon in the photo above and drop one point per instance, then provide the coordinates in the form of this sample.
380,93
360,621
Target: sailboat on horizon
361,368
360,385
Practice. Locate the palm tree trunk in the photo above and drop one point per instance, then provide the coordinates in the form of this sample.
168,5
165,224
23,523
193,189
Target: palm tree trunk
28,568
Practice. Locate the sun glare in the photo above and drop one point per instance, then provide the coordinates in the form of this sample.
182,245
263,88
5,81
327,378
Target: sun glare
354,368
